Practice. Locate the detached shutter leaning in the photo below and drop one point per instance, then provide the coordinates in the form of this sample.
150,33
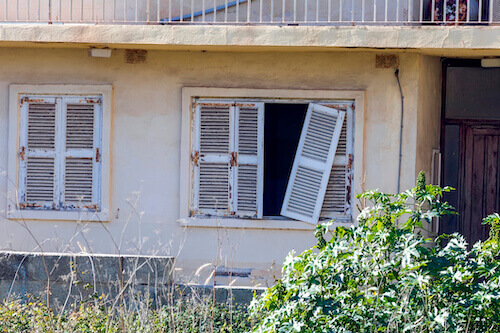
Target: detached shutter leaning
38,188
313,163
81,160
338,197
248,169
212,158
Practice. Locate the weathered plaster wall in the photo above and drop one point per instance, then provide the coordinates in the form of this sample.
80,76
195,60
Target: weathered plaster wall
146,132
429,112
455,41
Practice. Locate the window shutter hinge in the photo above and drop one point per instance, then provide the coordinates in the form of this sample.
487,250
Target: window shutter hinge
234,159
22,153
195,157
97,155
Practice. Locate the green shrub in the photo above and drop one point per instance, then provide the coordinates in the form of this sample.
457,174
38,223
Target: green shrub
384,276
182,316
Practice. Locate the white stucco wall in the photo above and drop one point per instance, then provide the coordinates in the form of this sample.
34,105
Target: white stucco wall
146,135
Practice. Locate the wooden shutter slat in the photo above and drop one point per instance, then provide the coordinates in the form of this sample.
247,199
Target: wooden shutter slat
313,163
41,126
78,185
81,161
214,186
81,180
79,126
337,203
336,196
213,142
248,131
342,145
248,171
37,162
247,188
40,181
215,129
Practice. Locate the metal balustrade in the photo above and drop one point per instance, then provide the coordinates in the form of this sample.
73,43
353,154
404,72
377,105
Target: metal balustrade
253,12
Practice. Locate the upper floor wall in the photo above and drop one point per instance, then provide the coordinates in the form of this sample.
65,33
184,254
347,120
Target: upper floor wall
471,29
282,12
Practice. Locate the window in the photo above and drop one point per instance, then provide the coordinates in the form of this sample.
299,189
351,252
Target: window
59,156
258,159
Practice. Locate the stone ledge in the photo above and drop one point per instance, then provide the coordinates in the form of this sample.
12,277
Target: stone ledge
223,294
201,37
82,275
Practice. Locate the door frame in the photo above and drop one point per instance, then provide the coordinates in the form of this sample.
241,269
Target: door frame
463,124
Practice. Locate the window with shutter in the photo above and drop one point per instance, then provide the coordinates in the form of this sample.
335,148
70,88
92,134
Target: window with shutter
227,159
59,158
38,154
313,163
337,201
212,158
82,153
249,180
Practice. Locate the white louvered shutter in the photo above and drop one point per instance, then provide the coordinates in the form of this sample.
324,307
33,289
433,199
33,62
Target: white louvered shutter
248,169
81,158
212,158
337,203
313,163
37,154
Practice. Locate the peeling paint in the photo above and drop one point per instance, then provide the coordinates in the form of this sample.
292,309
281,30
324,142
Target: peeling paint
90,101
22,153
234,159
205,104
195,157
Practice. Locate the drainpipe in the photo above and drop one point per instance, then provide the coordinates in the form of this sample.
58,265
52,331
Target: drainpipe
396,73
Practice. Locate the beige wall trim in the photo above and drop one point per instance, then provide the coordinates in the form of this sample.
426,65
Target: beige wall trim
183,37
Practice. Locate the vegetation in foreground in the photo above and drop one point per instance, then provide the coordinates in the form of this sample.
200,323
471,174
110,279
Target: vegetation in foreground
384,276
183,316
379,276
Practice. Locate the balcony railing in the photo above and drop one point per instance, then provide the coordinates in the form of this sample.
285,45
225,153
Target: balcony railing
253,12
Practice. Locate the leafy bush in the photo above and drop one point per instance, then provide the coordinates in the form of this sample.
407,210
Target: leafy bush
384,276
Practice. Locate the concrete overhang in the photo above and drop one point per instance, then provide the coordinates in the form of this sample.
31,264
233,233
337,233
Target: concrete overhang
436,40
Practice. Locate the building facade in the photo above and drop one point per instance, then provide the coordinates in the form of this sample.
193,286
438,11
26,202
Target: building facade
222,132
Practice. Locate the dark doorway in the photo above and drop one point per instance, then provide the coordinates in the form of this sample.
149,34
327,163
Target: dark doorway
471,145
283,125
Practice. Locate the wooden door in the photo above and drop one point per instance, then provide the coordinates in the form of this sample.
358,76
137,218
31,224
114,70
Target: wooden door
479,190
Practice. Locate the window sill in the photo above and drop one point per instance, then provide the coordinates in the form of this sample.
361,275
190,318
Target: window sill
58,215
232,223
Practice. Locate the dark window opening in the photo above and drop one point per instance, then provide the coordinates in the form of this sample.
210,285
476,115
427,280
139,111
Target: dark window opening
283,125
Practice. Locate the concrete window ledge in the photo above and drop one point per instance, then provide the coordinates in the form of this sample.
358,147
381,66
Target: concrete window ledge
231,223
